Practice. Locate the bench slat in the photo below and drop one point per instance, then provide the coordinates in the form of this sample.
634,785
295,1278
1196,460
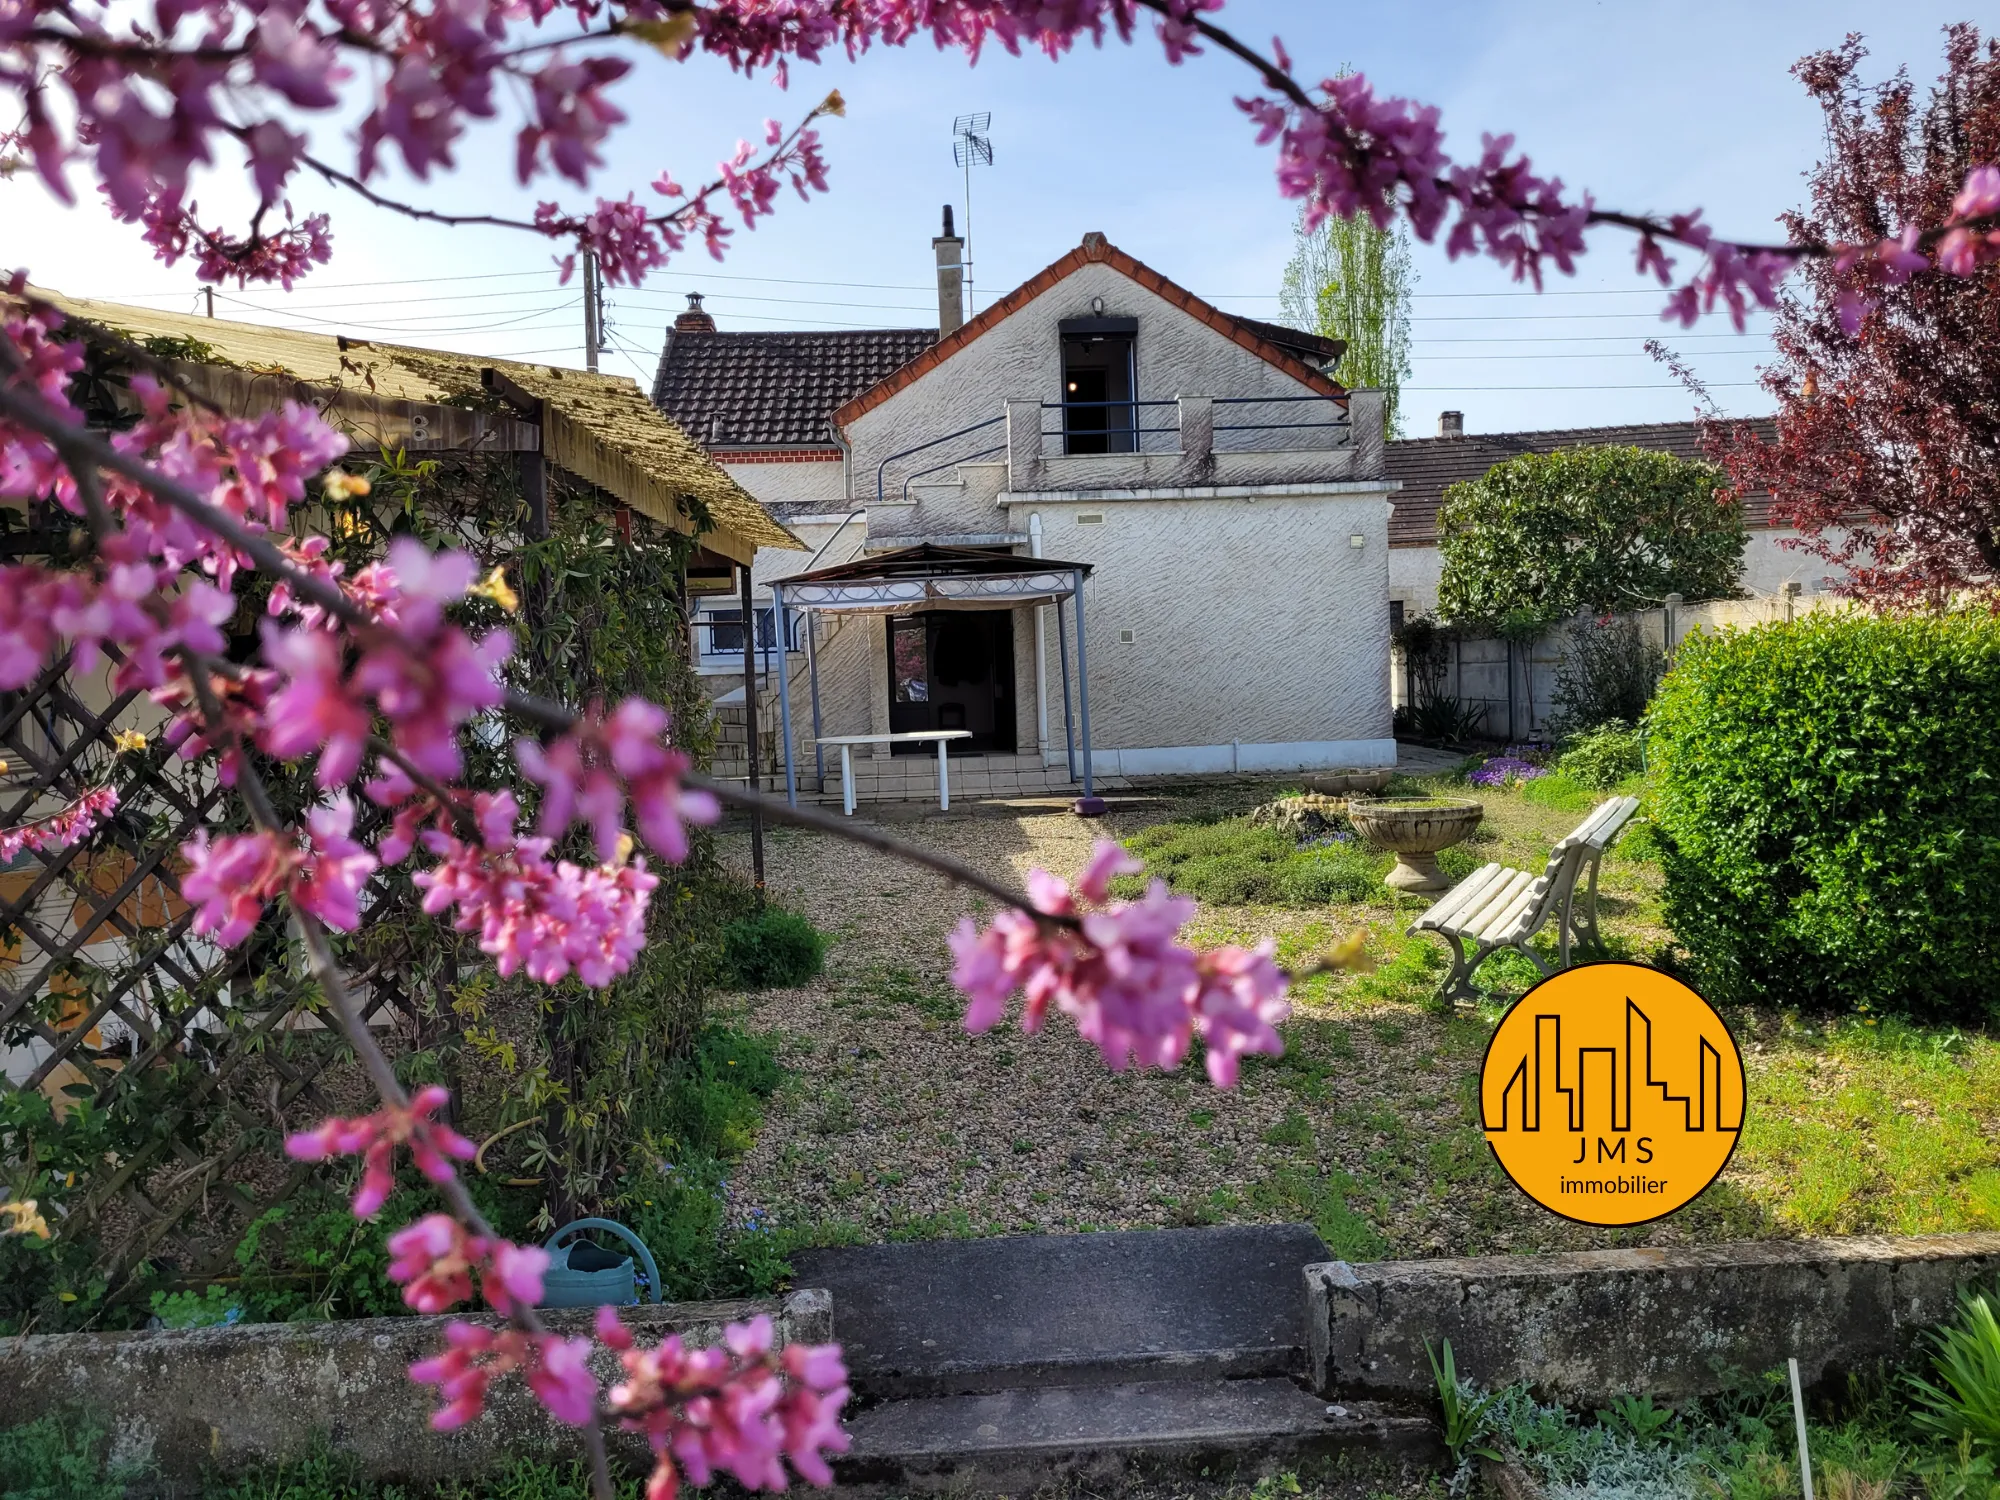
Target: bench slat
1512,920
1617,813
1454,901
1498,898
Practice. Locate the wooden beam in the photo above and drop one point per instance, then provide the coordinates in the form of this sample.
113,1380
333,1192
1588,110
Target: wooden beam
370,421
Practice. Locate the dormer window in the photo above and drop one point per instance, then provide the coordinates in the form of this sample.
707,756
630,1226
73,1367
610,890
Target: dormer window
1100,385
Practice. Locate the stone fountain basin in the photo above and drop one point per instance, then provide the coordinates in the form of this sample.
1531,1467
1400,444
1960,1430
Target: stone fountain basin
1415,828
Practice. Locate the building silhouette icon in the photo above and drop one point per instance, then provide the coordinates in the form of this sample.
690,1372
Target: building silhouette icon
1596,1090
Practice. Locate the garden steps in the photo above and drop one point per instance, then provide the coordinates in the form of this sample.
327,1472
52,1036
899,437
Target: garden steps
1011,1362
1024,1439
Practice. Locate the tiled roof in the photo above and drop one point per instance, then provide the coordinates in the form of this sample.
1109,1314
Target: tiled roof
600,427
1428,466
759,389
1095,248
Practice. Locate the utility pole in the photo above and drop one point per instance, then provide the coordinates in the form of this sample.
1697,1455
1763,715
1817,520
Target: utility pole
209,292
593,312
750,731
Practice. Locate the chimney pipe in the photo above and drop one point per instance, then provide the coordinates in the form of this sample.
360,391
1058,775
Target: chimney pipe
694,320
1451,424
950,278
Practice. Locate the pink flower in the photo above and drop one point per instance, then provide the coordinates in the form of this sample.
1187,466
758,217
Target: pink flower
549,918
433,1146
329,882
561,1377
1980,196
315,709
230,881
592,769
745,1409
1121,974
432,1260
514,1276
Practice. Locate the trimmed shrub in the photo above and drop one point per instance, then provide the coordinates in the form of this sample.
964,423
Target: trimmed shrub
1828,805
772,948
1603,757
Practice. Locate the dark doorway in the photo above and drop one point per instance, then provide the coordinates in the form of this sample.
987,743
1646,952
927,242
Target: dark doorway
953,670
1099,385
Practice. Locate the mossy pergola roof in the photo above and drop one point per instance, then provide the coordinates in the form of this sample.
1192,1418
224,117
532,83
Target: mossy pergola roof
601,428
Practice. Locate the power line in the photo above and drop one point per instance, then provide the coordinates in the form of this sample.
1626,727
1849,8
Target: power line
403,323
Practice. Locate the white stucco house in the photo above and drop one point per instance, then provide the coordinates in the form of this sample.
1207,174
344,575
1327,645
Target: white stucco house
1224,501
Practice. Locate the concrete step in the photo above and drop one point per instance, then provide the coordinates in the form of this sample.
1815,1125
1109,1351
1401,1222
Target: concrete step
962,1317
1015,1441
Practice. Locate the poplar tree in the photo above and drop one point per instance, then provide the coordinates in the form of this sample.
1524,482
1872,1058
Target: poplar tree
1349,280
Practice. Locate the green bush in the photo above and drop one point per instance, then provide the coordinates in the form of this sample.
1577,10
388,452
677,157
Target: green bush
677,1195
1560,792
1601,758
62,1457
772,948
1827,795
1237,863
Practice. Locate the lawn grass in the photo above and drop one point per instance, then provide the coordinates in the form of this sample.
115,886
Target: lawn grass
894,1123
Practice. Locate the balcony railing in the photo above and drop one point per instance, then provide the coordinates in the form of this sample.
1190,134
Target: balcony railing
1190,440
1325,422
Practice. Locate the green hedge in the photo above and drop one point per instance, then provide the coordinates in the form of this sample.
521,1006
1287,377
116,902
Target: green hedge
1828,801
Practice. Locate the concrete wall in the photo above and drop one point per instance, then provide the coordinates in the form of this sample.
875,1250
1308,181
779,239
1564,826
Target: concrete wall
196,1399
1478,671
1258,631
789,480
1588,1326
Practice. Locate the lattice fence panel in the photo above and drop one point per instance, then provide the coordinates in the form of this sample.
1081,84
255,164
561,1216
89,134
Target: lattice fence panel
197,1058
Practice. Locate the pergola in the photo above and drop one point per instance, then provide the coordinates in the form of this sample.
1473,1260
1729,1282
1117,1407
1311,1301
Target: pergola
916,580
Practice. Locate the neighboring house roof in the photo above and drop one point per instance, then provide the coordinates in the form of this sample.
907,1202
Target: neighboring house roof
1428,466
599,427
733,390
1259,338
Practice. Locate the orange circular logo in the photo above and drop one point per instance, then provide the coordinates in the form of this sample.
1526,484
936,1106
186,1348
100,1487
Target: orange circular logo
1612,1094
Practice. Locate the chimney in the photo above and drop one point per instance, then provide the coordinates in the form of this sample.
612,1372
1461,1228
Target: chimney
1451,424
694,320
951,278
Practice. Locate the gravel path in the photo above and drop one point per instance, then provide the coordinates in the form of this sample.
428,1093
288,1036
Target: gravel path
894,1123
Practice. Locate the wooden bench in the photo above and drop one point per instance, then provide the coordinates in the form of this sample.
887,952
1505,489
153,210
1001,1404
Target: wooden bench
1496,907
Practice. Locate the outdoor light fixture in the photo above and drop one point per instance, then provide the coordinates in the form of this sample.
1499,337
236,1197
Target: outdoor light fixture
1357,541
1097,306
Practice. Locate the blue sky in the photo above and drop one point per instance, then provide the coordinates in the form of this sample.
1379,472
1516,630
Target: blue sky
1652,107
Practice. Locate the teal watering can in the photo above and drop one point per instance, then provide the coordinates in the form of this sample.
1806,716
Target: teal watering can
583,1275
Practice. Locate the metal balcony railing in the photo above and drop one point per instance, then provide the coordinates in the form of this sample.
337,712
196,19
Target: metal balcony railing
1335,425
1110,427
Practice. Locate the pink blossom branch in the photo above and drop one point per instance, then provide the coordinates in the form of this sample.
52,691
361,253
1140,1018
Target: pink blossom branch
375,1063
62,828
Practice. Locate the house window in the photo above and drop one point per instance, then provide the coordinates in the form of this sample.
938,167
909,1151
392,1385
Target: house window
718,635
1100,385
1395,615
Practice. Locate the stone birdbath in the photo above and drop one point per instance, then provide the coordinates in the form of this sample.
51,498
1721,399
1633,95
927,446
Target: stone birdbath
1416,828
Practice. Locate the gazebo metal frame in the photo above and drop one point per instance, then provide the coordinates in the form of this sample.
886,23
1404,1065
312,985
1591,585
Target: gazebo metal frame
915,580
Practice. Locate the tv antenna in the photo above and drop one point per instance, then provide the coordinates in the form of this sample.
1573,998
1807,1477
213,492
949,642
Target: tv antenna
971,146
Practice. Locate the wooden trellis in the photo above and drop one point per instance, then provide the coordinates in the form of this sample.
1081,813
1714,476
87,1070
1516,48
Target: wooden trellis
106,991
